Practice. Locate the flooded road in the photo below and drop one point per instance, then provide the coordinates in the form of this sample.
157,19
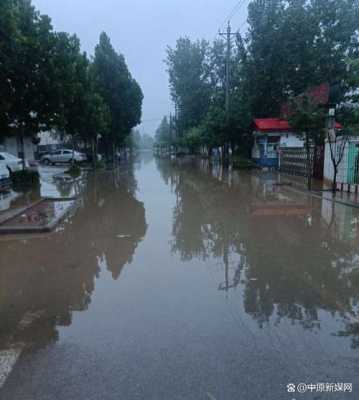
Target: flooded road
174,280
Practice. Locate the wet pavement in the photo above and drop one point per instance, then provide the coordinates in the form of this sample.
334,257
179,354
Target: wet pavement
178,280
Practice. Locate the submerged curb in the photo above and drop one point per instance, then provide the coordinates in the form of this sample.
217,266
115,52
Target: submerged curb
347,203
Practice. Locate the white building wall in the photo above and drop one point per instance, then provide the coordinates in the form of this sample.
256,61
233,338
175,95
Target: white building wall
10,145
342,176
29,148
48,138
291,140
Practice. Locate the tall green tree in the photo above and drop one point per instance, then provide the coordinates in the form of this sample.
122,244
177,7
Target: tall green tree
120,91
293,45
189,81
96,120
9,35
71,95
27,68
265,57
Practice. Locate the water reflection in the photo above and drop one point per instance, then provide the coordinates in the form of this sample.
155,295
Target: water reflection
44,279
50,187
290,256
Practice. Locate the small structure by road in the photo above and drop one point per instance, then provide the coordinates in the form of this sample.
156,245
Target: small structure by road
270,135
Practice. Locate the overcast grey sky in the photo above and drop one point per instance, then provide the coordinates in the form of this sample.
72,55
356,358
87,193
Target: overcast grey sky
141,30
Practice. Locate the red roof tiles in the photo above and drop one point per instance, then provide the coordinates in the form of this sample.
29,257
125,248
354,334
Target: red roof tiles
271,124
277,125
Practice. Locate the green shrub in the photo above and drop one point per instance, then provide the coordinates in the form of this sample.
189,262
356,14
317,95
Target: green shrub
100,164
25,179
74,171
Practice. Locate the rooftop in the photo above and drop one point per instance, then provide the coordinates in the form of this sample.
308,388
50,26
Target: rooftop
276,125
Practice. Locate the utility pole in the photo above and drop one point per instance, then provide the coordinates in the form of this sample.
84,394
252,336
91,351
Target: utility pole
228,34
228,59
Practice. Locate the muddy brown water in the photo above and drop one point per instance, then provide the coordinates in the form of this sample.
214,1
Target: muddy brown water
178,280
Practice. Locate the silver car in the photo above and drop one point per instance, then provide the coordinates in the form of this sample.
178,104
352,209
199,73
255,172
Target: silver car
11,162
5,181
63,156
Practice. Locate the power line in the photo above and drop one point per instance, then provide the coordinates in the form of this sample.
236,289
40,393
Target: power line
230,16
233,12
236,10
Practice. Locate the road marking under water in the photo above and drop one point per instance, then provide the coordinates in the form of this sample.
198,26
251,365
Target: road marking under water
8,359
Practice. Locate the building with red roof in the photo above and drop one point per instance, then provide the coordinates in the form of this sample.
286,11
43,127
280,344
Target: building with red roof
272,134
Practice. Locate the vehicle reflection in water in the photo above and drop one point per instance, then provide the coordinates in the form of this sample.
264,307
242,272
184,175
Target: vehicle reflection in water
290,256
49,187
45,278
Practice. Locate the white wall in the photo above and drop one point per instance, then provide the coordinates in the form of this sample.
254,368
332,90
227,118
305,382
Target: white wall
48,138
291,140
342,176
10,145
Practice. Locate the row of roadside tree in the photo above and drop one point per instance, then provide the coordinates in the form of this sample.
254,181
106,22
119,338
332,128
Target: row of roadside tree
290,46
47,82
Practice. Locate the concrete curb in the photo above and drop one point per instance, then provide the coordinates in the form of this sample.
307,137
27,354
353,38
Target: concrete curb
348,188
11,230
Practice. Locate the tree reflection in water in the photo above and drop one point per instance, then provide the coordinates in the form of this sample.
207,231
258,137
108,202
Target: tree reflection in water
293,255
46,279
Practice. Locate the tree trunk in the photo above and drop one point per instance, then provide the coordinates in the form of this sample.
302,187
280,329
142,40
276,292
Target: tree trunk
22,148
94,154
233,147
309,164
114,155
334,186
225,154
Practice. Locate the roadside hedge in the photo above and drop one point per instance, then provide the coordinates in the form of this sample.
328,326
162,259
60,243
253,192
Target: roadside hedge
25,178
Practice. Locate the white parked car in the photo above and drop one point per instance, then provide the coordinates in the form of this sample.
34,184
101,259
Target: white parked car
63,156
5,181
11,162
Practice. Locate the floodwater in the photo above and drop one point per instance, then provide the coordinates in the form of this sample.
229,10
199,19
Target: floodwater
177,280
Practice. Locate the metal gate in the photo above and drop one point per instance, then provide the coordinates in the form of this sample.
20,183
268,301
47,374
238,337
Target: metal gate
353,163
294,161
